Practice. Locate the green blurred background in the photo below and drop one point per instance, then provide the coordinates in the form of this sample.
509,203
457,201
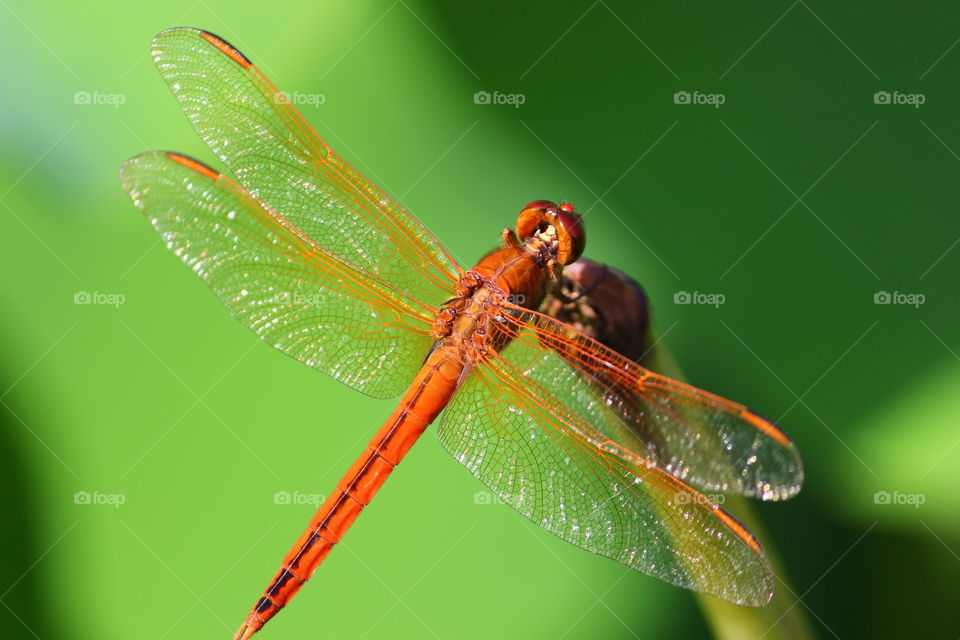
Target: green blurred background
168,403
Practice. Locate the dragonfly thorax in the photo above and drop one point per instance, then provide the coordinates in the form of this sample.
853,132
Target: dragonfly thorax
505,282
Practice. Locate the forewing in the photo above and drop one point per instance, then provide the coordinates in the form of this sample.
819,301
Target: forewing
707,441
276,156
347,323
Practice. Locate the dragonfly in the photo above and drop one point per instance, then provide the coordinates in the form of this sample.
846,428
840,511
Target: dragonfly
324,266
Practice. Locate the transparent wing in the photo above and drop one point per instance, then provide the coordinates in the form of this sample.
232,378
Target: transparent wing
348,323
705,440
526,425
276,156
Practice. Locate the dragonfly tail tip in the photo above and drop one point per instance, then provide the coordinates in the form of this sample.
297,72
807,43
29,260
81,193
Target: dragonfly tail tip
245,633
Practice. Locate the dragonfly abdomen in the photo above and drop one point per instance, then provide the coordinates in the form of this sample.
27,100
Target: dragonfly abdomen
428,395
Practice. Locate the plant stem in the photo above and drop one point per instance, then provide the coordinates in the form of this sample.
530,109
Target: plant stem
784,617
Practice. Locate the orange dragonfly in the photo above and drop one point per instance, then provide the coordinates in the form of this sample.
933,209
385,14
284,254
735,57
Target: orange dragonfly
321,264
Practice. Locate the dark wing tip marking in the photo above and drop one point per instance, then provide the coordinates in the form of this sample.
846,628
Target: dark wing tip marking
228,49
734,525
766,427
193,164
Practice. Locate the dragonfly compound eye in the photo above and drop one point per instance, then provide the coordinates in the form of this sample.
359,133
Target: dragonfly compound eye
540,205
542,216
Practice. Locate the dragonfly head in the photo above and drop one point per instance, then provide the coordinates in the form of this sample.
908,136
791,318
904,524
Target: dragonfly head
560,225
